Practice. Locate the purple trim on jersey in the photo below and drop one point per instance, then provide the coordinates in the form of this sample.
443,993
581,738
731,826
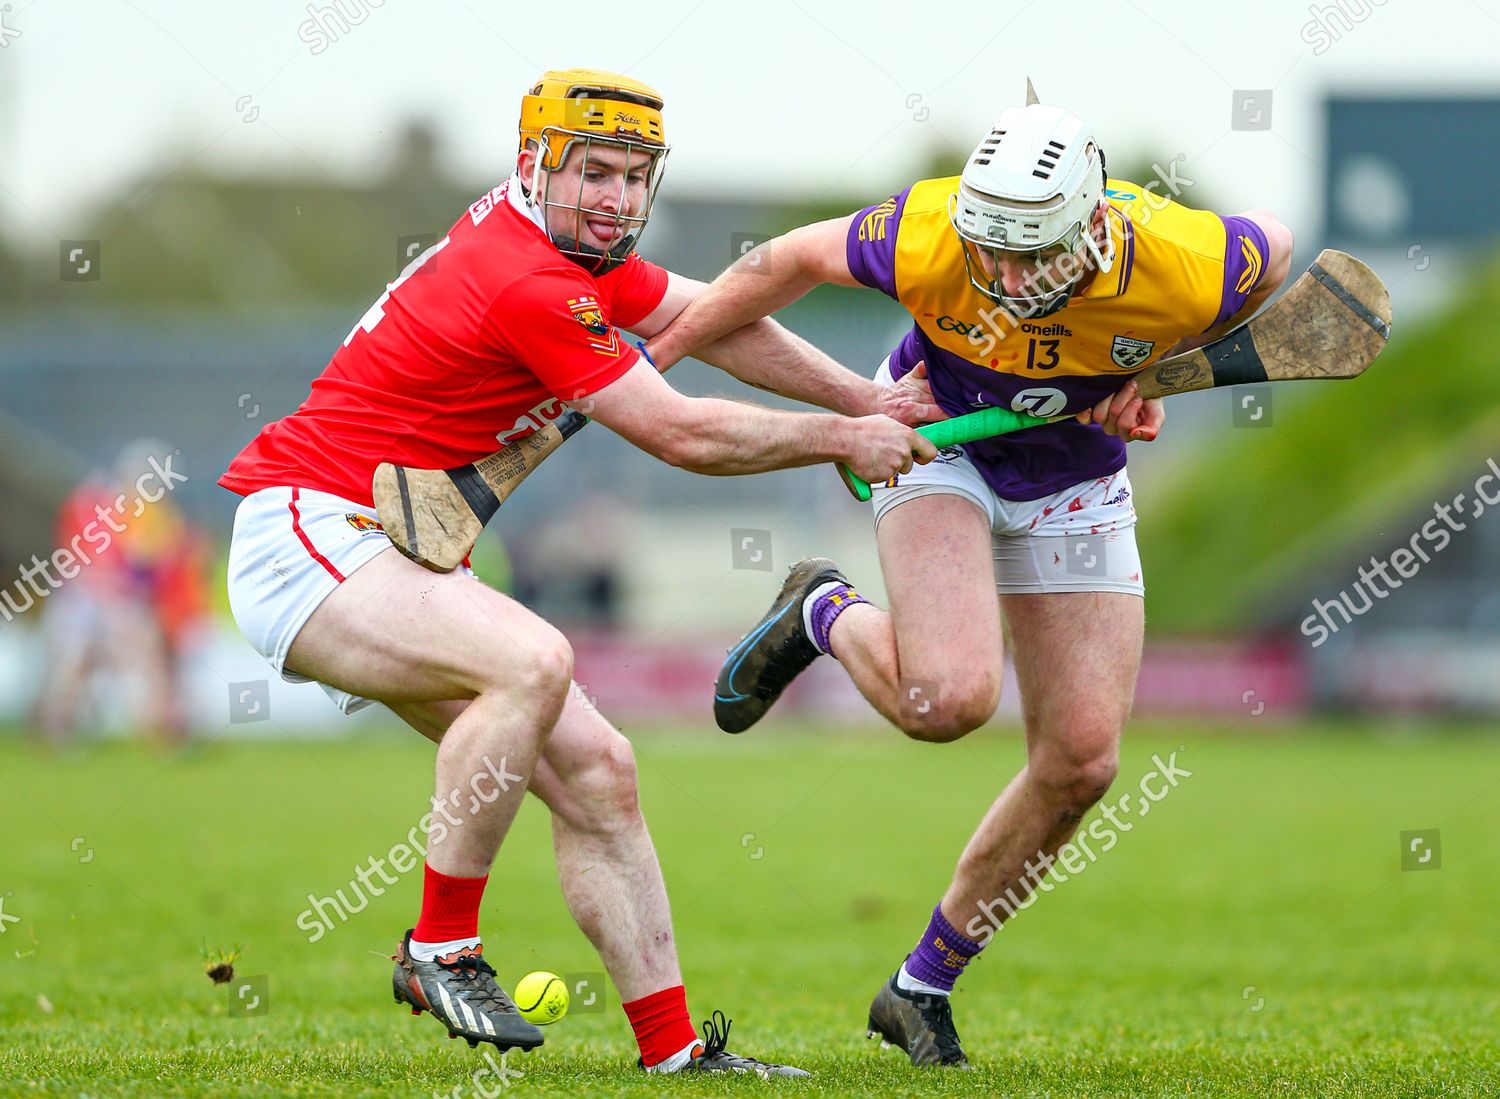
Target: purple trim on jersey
873,262
1235,264
1127,247
907,354
1033,463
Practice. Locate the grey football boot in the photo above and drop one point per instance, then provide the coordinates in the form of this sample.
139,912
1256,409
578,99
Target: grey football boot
461,992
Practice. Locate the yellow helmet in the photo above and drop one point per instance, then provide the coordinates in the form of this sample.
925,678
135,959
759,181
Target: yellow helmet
568,106
584,102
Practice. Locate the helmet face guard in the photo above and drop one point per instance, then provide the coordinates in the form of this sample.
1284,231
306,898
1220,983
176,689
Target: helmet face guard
550,190
585,112
1057,255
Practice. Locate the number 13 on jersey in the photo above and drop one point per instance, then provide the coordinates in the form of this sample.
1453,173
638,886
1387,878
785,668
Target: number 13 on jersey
1044,358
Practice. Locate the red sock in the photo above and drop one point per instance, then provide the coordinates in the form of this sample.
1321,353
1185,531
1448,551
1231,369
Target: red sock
450,908
661,1024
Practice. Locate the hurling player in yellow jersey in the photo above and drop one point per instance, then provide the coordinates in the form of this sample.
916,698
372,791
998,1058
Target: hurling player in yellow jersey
1035,283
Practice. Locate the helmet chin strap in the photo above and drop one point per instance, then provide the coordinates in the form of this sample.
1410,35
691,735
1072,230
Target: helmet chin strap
1049,308
591,258
1029,309
594,259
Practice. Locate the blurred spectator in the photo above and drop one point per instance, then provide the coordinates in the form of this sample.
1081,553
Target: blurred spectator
117,633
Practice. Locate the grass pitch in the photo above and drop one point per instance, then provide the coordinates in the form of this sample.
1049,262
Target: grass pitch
1255,934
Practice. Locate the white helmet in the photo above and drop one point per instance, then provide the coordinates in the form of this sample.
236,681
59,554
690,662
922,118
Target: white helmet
1032,186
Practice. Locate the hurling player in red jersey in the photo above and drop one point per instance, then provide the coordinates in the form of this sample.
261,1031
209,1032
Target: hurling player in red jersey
481,340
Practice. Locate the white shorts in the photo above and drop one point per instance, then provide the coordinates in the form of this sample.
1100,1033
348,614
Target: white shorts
290,549
1081,539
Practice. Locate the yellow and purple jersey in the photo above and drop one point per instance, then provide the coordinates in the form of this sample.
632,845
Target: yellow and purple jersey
1176,272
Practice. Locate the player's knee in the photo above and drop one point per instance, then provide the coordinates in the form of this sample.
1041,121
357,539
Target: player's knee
1095,777
554,665
952,710
1077,778
538,671
604,793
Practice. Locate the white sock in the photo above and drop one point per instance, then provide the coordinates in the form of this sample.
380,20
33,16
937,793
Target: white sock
679,1060
807,606
425,952
907,983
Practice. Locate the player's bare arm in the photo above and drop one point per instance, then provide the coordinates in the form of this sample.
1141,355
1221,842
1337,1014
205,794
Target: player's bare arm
757,285
729,314
718,437
768,356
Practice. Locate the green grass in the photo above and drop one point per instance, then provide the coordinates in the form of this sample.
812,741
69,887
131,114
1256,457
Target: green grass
1274,866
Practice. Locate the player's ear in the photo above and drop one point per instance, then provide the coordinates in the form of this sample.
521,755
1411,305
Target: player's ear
526,160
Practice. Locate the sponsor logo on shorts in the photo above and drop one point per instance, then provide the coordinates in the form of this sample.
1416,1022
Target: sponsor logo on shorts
363,523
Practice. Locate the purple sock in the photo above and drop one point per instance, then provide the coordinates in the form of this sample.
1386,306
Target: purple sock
941,954
828,607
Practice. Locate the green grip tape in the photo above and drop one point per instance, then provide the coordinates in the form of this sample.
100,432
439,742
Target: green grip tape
969,428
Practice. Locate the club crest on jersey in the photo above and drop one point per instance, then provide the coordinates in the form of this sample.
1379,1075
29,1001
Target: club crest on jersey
1130,353
602,338
363,523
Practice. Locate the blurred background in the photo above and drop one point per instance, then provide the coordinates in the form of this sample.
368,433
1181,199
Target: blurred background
198,201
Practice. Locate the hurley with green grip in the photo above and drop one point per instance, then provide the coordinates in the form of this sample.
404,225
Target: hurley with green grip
1331,323
960,429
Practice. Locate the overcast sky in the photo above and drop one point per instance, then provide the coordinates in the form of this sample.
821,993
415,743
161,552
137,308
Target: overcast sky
788,96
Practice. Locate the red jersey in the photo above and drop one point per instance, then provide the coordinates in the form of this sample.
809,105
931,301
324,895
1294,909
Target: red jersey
478,343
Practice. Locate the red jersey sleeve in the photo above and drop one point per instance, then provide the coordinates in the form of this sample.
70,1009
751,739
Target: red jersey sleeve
558,326
635,289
